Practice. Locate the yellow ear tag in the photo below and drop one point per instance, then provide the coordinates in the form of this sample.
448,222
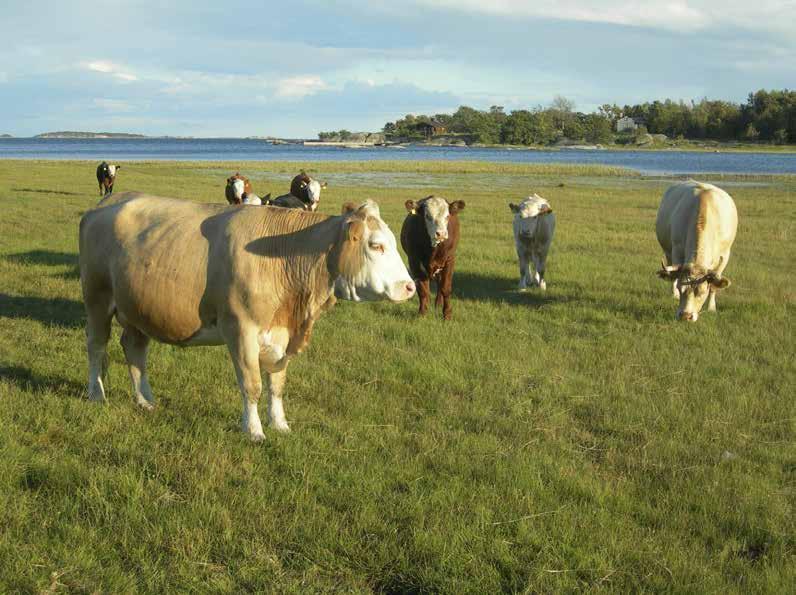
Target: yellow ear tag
414,211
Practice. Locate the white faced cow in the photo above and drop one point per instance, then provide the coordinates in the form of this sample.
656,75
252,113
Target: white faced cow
534,225
255,280
696,227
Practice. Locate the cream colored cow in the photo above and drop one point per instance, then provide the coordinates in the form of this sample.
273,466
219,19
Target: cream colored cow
253,279
696,227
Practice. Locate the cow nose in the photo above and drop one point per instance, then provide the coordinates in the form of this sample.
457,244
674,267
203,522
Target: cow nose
689,316
410,288
440,235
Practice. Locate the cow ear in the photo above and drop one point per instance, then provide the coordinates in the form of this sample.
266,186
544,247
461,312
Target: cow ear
456,206
118,167
348,207
267,197
514,208
411,206
356,230
323,186
545,209
720,283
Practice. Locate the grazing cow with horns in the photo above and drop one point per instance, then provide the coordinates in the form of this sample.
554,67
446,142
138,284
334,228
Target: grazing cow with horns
429,236
106,176
305,193
696,227
255,280
534,224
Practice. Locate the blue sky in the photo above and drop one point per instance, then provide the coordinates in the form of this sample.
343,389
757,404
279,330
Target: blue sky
292,69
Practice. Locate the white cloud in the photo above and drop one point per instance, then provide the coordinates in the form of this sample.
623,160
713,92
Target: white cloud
106,67
299,86
676,15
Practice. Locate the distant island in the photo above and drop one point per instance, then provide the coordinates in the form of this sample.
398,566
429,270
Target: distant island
6,136
73,134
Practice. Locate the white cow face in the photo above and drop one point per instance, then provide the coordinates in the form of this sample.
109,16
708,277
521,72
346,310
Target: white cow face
436,212
314,194
694,286
238,189
111,170
370,267
527,214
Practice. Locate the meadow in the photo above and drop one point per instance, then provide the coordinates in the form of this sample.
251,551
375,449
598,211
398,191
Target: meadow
579,439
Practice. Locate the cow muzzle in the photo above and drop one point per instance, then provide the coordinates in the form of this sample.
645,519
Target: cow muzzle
688,316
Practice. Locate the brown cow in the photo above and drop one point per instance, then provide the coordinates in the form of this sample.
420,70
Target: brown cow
106,176
429,237
238,187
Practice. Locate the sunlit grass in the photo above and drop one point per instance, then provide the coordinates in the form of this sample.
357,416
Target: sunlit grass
580,439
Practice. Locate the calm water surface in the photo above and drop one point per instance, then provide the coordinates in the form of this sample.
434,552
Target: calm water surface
647,162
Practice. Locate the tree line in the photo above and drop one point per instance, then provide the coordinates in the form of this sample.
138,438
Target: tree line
768,116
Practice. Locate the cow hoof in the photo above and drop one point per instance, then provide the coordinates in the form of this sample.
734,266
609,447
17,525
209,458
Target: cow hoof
281,427
96,396
257,436
145,405
542,285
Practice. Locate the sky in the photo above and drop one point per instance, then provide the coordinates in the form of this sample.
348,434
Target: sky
292,69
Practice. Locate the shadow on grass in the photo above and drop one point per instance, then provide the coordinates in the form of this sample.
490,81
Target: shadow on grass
53,311
47,191
28,381
492,288
48,258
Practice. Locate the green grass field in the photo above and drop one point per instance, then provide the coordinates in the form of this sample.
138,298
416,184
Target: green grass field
577,440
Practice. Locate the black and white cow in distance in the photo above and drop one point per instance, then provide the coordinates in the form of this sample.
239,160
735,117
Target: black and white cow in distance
106,176
255,280
696,227
534,225
305,193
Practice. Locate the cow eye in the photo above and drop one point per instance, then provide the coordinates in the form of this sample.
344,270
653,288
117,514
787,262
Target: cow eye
377,248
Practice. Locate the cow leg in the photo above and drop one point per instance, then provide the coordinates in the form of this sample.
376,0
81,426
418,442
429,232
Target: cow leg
276,413
135,345
525,274
245,351
713,291
100,188
446,288
539,264
423,293
98,331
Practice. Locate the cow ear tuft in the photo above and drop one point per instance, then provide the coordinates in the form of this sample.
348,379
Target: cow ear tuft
456,206
721,283
514,208
356,230
348,207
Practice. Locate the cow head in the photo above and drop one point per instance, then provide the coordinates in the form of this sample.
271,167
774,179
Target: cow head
311,191
112,170
369,266
236,189
436,212
527,215
693,284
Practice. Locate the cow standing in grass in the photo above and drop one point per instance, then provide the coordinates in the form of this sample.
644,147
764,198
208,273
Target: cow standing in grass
696,227
429,236
255,280
106,176
534,225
